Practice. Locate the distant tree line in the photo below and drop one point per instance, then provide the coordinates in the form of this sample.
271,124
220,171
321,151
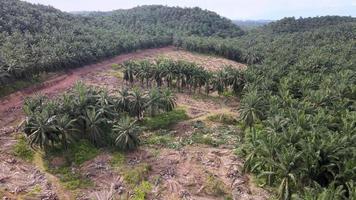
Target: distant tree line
36,38
183,75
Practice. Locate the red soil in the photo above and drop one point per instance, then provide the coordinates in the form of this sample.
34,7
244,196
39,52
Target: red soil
10,106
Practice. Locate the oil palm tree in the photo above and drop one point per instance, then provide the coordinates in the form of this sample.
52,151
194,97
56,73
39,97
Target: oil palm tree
168,100
126,133
40,131
66,128
138,103
94,124
123,100
154,96
251,109
129,72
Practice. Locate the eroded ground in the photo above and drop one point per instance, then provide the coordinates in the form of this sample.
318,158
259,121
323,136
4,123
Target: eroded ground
193,159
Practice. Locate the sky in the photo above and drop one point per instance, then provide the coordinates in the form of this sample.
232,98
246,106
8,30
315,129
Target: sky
233,9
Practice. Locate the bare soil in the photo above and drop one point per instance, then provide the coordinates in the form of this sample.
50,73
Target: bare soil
186,173
209,62
10,106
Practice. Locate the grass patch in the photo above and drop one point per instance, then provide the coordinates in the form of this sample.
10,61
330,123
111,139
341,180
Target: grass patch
214,186
207,139
166,140
115,66
141,191
136,175
214,136
22,150
72,180
118,159
34,192
117,74
21,84
165,120
223,118
77,153
83,151
68,174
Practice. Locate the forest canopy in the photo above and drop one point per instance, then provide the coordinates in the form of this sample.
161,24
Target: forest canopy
298,92
37,38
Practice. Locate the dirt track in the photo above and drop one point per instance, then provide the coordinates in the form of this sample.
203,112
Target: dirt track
10,106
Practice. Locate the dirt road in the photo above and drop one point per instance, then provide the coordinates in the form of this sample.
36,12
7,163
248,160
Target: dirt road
10,106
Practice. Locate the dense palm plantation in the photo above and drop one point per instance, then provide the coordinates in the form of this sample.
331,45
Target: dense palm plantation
36,38
183,75
94,115
299,109
297,96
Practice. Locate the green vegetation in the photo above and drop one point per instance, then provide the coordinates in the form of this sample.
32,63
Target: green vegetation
118,159
184,75
141,190
165,120
91,115
299,108
298,93
71,180
137,174
214,186
223,118
36,38
34,192
163,138
22,150
83,151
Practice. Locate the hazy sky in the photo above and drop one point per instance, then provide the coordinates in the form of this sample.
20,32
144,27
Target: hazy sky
233,9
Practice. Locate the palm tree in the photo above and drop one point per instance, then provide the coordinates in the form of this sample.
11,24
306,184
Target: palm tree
126,132
66,129
251,109
123,100
144,72
105,104
94,123
129,71
40,131
154,97
219,81
167,100
138,103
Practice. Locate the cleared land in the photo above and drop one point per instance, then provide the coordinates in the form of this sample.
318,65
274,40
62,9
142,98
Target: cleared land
192,159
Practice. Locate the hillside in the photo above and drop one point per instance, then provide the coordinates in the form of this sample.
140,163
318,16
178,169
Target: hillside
170,20
276,101
298,105
290,24
251,24
36,38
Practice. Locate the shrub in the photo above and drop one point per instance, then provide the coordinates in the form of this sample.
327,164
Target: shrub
115,66
22,150
141,191
83,151
137,174
165,120
214,186
72,180
223,118
167,140
201,138
118,159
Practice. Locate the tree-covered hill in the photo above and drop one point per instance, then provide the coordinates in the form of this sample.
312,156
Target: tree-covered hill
251,24
172,20
36,38
298,105
290,24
